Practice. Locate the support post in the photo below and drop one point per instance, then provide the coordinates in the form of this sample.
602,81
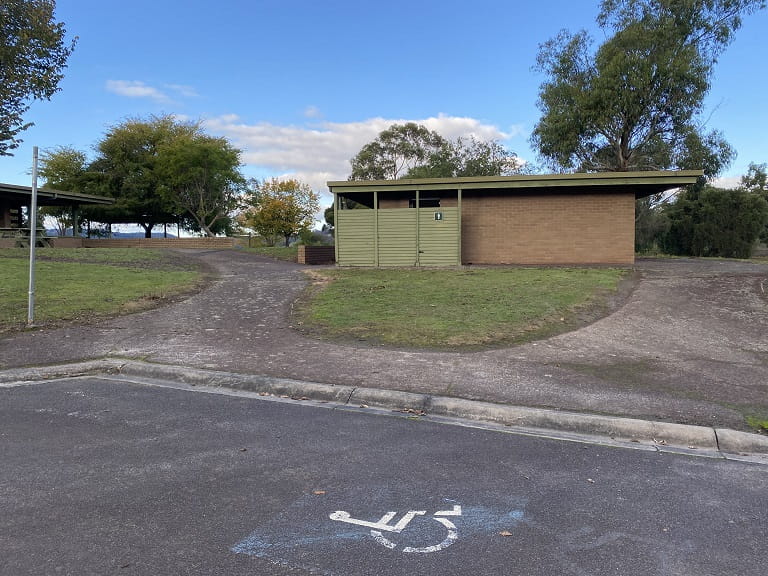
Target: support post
75,221
418,232
376,228
458,202
336,210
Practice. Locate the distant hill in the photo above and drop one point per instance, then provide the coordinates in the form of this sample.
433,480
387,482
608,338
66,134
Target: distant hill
54,232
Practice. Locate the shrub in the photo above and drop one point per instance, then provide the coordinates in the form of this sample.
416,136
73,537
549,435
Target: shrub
715,222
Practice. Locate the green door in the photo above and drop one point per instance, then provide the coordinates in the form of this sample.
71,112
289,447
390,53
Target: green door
438,236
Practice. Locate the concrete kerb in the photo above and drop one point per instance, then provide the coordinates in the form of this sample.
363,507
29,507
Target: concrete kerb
646,432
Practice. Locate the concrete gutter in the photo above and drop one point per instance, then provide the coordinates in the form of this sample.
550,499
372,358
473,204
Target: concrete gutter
726,442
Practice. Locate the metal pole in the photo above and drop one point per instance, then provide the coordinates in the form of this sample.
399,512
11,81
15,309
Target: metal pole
32,240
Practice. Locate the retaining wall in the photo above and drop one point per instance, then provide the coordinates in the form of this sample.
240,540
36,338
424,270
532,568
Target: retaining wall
316,255
70,242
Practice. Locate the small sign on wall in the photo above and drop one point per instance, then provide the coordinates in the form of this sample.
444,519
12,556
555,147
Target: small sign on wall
438,215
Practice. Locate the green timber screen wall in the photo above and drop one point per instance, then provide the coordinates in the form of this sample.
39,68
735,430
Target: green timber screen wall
355,237
395,237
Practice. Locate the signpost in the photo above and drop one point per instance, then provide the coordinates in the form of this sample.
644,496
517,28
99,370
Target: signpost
32,241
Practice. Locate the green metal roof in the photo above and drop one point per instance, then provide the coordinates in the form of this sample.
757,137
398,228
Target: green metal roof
49,197
640,183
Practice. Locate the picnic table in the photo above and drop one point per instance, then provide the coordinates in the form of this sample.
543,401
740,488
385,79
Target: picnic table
22,236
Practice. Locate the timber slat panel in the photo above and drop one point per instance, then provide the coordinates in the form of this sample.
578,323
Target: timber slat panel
397,237
354,231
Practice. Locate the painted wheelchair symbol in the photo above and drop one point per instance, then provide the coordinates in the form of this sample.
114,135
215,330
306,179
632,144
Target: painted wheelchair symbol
384,525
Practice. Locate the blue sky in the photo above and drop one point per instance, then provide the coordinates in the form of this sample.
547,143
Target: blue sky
301,86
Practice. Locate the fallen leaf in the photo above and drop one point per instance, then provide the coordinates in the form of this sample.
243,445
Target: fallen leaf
318,492
505,533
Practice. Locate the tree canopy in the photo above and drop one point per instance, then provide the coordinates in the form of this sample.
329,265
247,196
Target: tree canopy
63,169
396,151
33,55
158,170
756,181
412,151
635,102
200,178
127,162
281,208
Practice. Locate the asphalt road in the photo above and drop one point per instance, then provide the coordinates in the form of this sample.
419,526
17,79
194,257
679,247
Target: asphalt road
111,477
688,345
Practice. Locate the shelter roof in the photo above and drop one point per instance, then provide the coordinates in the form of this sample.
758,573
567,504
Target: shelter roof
49,197
642,184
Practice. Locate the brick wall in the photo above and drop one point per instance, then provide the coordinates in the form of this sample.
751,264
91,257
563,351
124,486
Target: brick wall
316,255
66,242
200,243
548,229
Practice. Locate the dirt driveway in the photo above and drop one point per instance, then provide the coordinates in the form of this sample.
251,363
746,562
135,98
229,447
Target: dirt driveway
690,345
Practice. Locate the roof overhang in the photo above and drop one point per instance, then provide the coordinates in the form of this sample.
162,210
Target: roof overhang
641,184
49,197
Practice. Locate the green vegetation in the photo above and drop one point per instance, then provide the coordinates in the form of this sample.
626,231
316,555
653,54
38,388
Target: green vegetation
34,54
79,284
454,309
636,101
760,424
280,209
411,150
715,222
158,170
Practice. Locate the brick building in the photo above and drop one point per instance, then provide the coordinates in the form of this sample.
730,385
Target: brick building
538,219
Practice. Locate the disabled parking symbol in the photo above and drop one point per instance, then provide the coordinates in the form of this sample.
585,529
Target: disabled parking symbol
384,525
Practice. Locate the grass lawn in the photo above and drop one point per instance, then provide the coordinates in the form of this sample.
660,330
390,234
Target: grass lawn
79,284
454,308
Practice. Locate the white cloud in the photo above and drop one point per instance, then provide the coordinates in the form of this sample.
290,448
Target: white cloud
312,112
727,182
135,89
321,152
183,90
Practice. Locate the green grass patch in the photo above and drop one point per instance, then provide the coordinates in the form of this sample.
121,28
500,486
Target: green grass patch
132,257
288,254
759,424
79,284
454,308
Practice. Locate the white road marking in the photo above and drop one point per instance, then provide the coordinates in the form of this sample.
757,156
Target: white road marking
384,524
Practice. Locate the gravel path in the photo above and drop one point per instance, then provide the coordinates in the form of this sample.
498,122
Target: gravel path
690,345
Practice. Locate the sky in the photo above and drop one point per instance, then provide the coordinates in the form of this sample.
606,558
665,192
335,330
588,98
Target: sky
300,86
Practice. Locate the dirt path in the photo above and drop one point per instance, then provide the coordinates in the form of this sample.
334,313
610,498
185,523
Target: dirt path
690,345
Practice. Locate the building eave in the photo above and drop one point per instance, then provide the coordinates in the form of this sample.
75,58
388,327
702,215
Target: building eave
640,183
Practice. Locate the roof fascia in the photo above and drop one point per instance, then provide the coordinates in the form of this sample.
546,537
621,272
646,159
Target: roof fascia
669,179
